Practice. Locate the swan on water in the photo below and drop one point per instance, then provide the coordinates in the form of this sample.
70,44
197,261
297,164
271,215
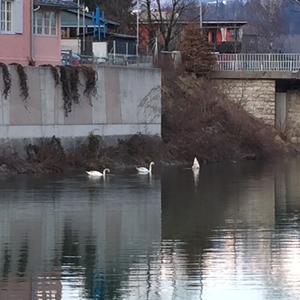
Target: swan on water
196,165
95,174
142,170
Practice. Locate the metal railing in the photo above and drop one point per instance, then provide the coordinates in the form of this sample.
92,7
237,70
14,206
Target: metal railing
271,62
69,58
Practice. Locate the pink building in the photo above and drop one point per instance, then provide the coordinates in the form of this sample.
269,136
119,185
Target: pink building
30,31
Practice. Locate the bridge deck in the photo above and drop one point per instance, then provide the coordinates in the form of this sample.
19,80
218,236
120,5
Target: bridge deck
259,62
267,75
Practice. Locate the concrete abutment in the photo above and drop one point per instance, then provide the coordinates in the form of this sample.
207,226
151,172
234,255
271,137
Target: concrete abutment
273,98
127,102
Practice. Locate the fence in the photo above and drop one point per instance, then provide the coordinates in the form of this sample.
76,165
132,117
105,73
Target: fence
69,58
258,62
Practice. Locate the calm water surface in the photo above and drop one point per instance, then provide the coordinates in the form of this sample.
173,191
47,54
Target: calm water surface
232,233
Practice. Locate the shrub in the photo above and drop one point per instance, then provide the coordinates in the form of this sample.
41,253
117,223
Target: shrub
199,120
197,56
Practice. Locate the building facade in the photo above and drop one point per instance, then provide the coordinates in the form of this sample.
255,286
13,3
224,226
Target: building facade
30,31
223,36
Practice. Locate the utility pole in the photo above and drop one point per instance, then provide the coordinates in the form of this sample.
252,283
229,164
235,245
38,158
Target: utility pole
137,27
85,9
78,26
200,14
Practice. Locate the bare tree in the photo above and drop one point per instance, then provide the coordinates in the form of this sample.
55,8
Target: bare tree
267,19
163,18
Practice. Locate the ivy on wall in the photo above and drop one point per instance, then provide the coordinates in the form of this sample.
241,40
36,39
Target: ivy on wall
91,78
67,76
23,81
70,81
54,72
6,79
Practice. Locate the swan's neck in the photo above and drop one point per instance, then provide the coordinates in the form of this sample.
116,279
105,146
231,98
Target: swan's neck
150,168
105,171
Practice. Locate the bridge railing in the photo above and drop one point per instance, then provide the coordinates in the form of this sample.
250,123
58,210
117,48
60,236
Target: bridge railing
258,62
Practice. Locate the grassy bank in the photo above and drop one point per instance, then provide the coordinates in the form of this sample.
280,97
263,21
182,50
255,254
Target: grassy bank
197,120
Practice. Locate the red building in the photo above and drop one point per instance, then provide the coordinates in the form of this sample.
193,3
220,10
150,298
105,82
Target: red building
224,36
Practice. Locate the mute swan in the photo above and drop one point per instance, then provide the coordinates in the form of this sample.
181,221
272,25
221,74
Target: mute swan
196,176
142,170
196,165
95,174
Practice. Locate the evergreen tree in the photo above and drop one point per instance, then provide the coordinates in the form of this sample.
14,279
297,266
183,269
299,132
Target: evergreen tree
196,51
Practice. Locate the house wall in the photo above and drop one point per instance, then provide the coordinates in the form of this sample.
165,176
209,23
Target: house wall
16,48
69,44
127,102
47,50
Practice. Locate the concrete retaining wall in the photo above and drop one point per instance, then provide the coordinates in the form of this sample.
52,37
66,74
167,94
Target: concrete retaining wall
293,115
260,98
256,96
128,101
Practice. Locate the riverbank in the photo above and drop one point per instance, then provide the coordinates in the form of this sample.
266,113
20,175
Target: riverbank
197,120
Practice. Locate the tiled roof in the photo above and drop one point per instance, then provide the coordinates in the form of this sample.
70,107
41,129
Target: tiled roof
67,4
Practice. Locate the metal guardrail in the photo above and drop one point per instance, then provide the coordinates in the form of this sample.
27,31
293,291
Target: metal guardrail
271,62
69,58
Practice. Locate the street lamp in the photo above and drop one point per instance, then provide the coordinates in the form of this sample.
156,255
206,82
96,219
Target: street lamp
200,14
137,27
78,25
85,9
137,12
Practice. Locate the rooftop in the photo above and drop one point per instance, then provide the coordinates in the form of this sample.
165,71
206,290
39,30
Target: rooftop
63,4
72,22
206,23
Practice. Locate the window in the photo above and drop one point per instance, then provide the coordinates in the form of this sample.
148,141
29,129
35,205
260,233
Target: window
45,23
6,16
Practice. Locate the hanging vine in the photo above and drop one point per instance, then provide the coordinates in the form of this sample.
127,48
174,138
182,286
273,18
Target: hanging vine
23,80
6,79
54,72
70,81
74,81
66,90
90,80
68,76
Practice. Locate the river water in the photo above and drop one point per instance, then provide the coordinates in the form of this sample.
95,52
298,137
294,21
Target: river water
231,233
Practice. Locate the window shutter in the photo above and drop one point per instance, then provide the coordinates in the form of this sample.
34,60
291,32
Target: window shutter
17,16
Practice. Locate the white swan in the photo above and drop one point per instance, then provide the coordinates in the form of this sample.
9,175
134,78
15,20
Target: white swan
196,177
142,170
95,174
196,165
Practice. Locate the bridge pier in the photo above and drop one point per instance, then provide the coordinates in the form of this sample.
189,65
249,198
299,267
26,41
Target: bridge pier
273,97
293,115
281,111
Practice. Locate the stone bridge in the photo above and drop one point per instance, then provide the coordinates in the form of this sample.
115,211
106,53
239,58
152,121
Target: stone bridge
266,85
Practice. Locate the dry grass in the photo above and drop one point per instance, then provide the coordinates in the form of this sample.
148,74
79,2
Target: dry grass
199,120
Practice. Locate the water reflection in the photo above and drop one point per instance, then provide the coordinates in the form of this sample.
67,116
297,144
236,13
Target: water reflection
67,239
235,244
233,235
